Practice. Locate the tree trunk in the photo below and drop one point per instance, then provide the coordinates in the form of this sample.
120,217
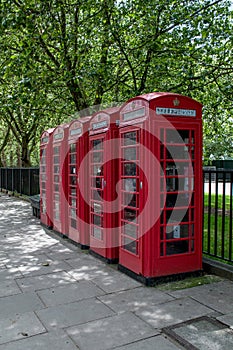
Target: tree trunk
2,148
25,154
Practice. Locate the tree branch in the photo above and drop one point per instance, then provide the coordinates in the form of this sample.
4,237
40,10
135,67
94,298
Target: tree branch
14,128
48,52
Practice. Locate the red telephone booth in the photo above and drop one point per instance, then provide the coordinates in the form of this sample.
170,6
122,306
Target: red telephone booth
161,193
59,182
78,176
45,178
103,158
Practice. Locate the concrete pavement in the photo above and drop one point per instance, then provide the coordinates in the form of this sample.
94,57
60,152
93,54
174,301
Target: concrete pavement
55,296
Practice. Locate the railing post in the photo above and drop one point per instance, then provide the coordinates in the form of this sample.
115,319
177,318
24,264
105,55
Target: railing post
231,217
29,174
20,179
12,180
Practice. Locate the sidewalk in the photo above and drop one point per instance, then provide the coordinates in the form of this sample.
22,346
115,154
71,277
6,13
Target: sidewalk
55,296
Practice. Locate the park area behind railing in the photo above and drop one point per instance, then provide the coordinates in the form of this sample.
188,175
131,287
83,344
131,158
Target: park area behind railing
218,202
217,223
24,181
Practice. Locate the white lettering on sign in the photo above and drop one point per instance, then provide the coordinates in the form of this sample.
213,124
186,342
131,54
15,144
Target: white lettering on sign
176,111
100,125
134,114
58,136
77,131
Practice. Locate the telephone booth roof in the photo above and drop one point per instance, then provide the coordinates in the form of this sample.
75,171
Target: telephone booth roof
45,136
155,104
78,127
102,120
85,119
58,134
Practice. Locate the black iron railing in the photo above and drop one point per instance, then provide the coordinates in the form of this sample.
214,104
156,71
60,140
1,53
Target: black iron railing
217,223
20,180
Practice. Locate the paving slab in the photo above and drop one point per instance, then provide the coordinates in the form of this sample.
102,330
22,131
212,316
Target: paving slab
83,259
216,295
57,248
110,332
88,271
19,326
27,242
227,319
12,238
115,281
9,287
135,299
19,303
63,255
9,274
13,260
26,247
73,313
3,256
204,334
57,340
45,267
69,293
37,230
44,281
172,312
158,342
105,277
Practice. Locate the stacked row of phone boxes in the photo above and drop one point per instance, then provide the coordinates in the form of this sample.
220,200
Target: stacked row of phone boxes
126,183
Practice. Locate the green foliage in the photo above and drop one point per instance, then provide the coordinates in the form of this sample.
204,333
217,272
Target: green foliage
60,57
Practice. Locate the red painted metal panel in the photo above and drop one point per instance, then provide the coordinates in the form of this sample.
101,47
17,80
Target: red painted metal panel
46,212
60,179
103,157
78,175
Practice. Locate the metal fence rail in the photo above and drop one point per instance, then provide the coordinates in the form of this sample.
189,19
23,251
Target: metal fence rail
20,180
217,225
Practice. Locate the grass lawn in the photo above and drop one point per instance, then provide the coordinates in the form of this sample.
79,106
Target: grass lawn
219,200
219,240
217,230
